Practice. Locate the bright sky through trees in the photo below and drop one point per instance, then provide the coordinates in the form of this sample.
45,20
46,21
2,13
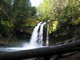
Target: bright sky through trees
36,2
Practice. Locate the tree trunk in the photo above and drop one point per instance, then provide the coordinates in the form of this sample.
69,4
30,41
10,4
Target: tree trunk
41,52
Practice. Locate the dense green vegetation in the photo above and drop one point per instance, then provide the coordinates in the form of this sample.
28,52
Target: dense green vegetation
15,16
18,18
66,13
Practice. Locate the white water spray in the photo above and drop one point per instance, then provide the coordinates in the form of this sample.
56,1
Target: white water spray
37,37
41,34
34,36
36,40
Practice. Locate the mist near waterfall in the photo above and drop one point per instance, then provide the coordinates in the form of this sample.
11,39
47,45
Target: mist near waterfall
36,40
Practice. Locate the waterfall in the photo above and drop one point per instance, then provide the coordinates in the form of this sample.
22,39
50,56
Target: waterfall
34,37
36,40
41,34
37,36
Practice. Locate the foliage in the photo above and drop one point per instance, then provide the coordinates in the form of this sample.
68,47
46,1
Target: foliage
76,22
21,12
5,23
14,15
53,26
20,16
64,11
44,10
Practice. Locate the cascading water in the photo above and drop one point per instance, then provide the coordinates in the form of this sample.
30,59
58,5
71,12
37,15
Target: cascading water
35,41
34,36
41,34
37,37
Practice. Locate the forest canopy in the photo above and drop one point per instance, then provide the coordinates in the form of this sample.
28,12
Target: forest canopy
18,16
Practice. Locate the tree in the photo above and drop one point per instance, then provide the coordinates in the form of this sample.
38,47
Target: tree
5,10
21,12
44,10
66,12
14,15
